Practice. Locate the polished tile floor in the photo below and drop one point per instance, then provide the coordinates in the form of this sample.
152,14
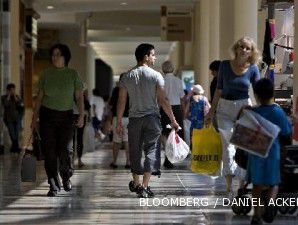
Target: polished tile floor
101,196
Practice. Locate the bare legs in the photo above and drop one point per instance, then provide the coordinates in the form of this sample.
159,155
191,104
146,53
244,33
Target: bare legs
229,180
116,148
257,193
146,179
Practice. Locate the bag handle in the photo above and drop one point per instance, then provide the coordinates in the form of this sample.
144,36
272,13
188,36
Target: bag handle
168,126
29,142
210,126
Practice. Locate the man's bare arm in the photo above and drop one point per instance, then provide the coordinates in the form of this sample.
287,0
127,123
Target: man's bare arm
121,107
80,105
164,103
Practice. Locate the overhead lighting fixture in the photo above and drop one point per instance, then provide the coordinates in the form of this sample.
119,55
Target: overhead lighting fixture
50,7
123,3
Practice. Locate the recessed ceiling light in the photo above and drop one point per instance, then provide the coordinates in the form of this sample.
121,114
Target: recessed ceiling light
50,7
123,3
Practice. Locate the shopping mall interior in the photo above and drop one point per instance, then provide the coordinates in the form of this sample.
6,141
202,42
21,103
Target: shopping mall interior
102,36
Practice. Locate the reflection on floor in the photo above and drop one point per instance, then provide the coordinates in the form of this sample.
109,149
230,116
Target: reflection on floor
101,196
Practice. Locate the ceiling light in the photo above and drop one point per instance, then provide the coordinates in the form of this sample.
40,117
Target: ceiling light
50,7
127,28
123,3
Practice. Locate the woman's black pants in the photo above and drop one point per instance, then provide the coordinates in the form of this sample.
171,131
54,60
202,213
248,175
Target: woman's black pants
56,130
78,137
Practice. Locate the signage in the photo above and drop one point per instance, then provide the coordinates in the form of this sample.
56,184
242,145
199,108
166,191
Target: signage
176,23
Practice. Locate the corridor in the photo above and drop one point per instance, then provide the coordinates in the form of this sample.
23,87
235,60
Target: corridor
101,196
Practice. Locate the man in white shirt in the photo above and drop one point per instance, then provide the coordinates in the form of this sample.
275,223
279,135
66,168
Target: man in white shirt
174,94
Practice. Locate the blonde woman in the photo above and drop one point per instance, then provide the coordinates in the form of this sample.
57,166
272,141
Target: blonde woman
234,79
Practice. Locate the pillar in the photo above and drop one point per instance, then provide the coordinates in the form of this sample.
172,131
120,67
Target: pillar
90,69
214,30
14,57
238,18
201,45
188,54
176,55
246,19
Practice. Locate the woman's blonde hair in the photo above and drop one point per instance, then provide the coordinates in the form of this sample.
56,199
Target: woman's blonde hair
255,58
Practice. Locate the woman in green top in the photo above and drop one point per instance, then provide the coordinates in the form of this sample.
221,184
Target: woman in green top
54,108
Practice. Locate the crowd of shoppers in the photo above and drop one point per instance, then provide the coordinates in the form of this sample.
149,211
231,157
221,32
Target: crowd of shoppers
140,108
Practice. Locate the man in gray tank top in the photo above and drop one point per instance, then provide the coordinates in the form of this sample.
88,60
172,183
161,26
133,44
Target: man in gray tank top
144,87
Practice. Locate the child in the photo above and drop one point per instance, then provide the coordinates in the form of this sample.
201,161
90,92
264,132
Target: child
196,108
266,171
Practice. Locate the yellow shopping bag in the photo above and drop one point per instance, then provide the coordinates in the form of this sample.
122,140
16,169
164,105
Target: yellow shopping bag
206,151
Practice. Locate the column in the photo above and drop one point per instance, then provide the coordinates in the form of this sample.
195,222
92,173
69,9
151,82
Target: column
201,45
15,43
226,27
90,69
188,54
176,56
238,18
246,19
214,30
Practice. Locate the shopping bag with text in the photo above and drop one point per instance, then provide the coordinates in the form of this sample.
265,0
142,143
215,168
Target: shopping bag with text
206,151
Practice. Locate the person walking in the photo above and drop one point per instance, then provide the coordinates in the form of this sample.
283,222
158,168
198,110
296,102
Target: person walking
118,140
265,172
12,117
231,94
54,108
213,67
196,108
78,143
144,87
97,112
174,93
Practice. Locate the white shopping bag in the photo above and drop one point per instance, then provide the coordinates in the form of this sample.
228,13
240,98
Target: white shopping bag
254,133
89,138
176,149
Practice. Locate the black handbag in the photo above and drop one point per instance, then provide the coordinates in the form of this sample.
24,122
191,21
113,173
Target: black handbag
241,158
37,149
28,167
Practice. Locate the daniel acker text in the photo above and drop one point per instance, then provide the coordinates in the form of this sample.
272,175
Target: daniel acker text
205,202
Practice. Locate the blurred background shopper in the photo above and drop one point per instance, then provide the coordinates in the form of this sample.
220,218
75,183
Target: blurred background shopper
174,93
